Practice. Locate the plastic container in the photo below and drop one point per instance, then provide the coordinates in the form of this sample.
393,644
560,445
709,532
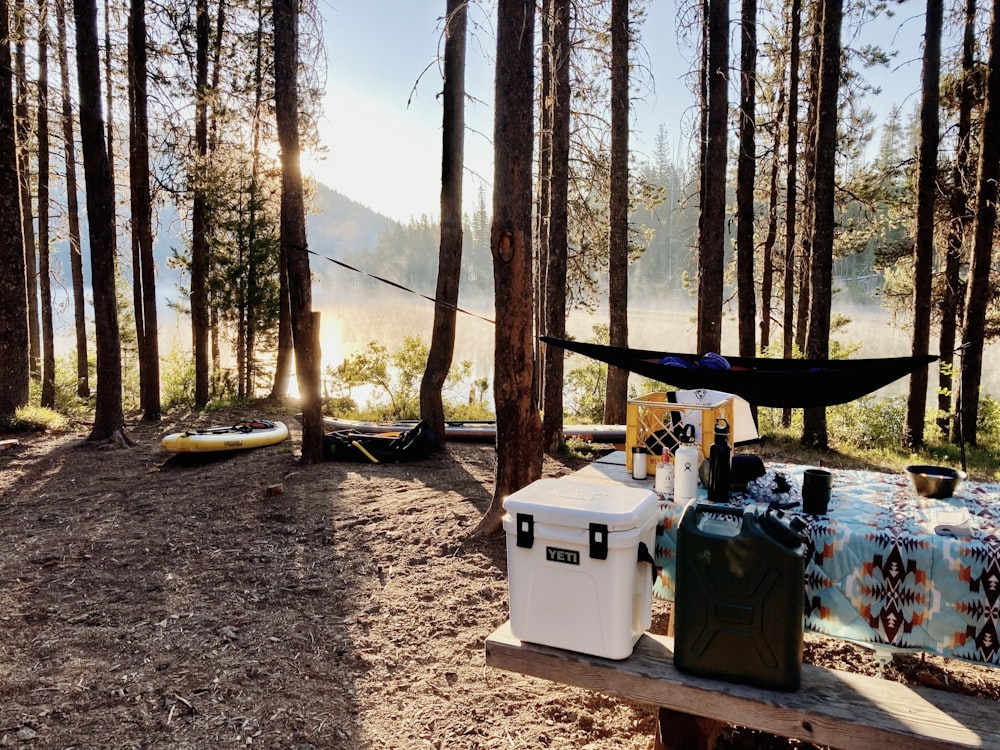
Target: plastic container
686,462
739,595
579,564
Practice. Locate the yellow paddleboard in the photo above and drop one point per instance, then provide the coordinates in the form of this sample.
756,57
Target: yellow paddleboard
243,435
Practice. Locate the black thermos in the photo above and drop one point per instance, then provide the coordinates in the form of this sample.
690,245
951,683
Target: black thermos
720,464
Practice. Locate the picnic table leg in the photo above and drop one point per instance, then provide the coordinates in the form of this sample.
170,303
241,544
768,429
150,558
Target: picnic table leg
679,731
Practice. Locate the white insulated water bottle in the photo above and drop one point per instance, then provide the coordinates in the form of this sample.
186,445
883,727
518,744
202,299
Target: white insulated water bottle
685,472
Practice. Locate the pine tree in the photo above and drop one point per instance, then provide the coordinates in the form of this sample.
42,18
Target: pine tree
449,274
518,425
14,375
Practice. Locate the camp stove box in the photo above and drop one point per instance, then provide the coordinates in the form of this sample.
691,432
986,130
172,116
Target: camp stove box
579,564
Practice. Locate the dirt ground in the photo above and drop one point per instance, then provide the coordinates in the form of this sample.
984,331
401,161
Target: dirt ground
156,601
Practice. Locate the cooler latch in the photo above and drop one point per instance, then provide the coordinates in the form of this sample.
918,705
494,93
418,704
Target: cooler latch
599,541
525,530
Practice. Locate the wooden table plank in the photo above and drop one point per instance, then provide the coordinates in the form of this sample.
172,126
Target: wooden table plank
835,708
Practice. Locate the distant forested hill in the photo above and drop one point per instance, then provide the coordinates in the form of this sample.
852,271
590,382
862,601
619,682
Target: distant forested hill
339,226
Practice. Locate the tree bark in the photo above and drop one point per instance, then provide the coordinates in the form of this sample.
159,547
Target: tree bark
199,214
14,371
771,236
143,271
283,361
791,189
22,131
48,393
616,398
916,406
959,220
442,348
746,175
557,225
978,291
808,215
519,457
543,202
293,229
711,249
821,267
72,211
109,420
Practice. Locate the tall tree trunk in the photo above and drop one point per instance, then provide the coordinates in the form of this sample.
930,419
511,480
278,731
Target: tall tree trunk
73,212
791,189
109,102
305,325
557,225
249,348
199,217
442,348
519,456
711,250
616,400
14,367
542,211
808,220
48,395
916,406
771,236
143,271
977,297
23,134
746,175
959,219
283,359
109,420
821,268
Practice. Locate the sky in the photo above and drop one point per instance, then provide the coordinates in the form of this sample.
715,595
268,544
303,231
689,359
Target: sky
382,122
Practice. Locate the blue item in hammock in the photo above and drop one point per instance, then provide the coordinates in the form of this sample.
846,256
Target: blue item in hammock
713,361
672,361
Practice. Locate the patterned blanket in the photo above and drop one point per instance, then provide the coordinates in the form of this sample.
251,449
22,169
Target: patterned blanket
887,566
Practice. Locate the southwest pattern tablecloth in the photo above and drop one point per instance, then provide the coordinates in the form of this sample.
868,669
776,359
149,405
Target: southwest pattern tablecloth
877,571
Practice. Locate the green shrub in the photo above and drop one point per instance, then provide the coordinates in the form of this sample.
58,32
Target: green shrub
176,379
868,422
988,420
34,419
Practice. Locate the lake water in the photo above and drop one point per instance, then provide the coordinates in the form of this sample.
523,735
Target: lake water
348,327
348,324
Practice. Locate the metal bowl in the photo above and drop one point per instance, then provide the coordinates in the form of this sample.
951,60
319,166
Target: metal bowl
935,481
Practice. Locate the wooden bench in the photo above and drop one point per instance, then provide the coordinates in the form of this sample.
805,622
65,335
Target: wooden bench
835,708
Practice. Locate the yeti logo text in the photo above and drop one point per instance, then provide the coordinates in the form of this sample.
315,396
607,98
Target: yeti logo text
568,556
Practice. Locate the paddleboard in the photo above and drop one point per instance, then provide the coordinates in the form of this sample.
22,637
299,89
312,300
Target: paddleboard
476,431
254,433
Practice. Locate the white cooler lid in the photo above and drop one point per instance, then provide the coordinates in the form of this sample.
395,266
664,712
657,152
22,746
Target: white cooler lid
575,503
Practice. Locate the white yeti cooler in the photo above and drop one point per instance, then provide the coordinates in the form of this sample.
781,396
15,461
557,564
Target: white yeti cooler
579,564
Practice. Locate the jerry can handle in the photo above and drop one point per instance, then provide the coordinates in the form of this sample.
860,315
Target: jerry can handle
719,510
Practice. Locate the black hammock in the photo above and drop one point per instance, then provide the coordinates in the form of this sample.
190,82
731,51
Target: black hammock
782,383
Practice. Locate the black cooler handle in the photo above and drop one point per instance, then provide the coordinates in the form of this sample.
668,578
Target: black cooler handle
645,556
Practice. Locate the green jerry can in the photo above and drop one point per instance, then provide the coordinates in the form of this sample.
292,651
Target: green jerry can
739,595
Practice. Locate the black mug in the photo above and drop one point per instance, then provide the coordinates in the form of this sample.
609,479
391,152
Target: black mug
816,486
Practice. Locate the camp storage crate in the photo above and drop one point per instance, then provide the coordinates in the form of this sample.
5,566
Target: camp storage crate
579,564
654,422
739,595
